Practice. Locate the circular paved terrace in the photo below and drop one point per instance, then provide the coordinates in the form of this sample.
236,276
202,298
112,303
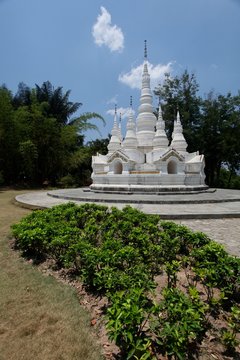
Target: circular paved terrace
213,203
215,212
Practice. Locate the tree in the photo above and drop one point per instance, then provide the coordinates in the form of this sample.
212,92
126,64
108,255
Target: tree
29,154
99,146
58,102
8,143
39,138
232,136
80,162
210,125
39,135
219,134
180,93
55,144
23,96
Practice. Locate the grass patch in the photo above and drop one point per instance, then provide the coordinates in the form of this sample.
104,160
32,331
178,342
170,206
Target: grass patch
39,317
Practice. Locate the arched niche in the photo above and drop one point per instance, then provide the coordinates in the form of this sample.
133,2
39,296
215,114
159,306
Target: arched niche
118,168
172,167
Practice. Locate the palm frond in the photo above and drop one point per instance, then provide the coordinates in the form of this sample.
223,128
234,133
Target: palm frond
82,122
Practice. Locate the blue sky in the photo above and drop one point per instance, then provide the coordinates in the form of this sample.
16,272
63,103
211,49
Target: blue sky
95,48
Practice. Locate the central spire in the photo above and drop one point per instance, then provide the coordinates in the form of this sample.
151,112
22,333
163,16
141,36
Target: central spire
146,120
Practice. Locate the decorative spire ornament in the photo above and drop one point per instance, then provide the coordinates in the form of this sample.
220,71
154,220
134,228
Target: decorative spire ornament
115,142
178,118
178,141
120,127
160,139
130,141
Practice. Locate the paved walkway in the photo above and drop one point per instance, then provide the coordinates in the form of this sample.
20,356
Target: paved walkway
224,231
217,213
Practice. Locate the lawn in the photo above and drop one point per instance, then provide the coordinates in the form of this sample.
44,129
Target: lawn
40,318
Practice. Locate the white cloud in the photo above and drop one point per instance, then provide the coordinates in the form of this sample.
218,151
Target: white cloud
125,112
105,33
134,77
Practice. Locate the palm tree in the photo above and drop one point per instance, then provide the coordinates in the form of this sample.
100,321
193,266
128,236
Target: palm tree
59,105
56,105
23,97
62,109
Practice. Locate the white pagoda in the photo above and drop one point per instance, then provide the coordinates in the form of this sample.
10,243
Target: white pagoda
144,161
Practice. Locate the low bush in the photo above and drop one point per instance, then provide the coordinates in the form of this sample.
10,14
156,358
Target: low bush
180,323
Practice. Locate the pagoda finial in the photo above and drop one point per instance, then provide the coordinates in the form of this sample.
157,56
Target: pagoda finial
131,101
178,116
120,127
159,110
145,49
115,109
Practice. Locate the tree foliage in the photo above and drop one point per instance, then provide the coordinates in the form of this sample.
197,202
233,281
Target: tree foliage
180,93
210,124
40,141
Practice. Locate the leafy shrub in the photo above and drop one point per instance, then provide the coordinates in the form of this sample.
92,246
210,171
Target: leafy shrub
126,323
229,336
187,240
180,323
67,181
215,268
